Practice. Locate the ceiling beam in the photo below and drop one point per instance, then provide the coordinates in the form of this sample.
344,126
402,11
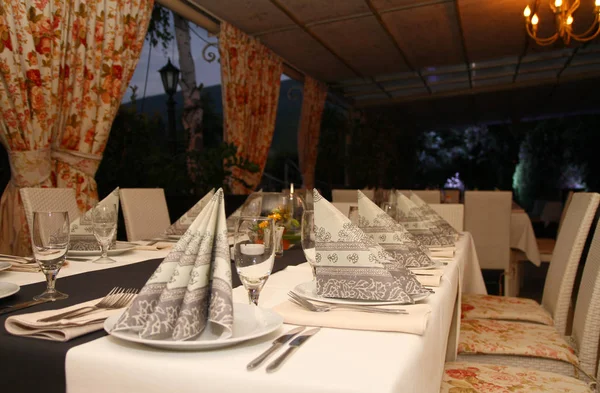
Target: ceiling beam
463,42
475,90
388,32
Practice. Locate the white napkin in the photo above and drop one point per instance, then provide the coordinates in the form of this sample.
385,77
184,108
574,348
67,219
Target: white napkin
26,325
423,229
390,235
351,266
184,222
429,277
190,292
158,246
428,212
413,323
82,235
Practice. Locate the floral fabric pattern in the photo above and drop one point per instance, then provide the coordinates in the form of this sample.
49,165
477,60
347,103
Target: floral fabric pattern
462,377
250,79
313,104
488,336
505,308
64,67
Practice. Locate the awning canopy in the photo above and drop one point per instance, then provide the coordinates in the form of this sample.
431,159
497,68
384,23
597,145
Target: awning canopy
466,55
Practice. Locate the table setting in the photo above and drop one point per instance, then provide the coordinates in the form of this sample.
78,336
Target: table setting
187,302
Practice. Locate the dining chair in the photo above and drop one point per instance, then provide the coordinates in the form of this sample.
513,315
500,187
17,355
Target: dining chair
348,196
543,347
453,213
492,378
487,218
145,212
49,199
344,207
429,196
556,298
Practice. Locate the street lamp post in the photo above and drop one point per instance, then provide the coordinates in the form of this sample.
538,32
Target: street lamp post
170,78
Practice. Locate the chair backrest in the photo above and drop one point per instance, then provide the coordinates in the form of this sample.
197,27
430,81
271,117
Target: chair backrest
49,199
344,207
566,255
453,213
451,195
344,196
487,218
429,196
586,320
145,212
564,210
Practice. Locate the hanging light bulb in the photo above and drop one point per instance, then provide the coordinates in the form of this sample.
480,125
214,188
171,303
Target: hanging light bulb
557,3
527,11
535,19
570,20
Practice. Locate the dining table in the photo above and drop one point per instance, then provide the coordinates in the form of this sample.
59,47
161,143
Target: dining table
522,236
334,360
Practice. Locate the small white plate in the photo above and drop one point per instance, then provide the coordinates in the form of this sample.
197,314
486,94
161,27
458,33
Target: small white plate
120,248
248,322
308,290
5,265
435,265
8,288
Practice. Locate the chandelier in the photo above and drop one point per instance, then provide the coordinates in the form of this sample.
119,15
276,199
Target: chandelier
563,11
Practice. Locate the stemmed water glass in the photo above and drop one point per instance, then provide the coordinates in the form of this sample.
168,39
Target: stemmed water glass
254,249
308,239
50,242
104,226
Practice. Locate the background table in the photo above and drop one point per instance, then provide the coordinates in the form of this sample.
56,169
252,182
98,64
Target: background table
522,236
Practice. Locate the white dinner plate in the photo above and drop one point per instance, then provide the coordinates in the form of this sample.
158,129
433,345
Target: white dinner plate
8,288
308,290
120,248
249,322
5,265
434,265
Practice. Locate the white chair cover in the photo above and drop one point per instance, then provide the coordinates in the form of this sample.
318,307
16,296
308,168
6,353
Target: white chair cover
49,199
145,212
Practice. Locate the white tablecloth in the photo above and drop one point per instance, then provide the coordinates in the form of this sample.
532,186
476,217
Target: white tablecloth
522,236
334,360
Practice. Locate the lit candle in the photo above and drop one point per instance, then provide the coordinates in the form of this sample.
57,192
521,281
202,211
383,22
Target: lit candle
252,249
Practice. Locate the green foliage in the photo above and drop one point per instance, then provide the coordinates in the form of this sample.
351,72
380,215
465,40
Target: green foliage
159,28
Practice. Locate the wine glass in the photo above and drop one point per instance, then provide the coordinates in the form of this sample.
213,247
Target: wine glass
308,239
353,214
254,245
104,226
50,242
389,208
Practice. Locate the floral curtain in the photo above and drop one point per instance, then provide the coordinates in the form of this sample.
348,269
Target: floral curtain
313,104
64,67
250,79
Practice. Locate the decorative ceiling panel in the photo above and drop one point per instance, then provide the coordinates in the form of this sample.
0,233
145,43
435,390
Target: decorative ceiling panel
370,51
495,72
251,16
493,28
303,52
308,11
387,5
429,36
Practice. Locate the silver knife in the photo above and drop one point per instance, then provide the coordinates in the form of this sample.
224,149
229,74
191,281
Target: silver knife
294,345
19,306
278,343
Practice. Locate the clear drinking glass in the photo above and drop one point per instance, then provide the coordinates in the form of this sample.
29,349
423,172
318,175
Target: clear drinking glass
308,239
279,240
104,225
50,243
389,208
254,244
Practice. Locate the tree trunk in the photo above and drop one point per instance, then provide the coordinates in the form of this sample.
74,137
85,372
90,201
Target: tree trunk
192,104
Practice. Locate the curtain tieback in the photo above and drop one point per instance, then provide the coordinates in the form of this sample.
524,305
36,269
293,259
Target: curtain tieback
29,168
86,163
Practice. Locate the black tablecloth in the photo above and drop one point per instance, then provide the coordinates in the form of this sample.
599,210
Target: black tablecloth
33,365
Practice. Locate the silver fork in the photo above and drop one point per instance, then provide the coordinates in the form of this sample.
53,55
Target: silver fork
116,298
310,306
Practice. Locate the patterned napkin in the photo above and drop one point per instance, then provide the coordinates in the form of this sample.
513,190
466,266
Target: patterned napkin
428,212
423,229
390,235
352,266
82,234
184,222
189,294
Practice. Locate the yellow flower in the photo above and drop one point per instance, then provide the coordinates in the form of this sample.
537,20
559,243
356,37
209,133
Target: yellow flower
263,224
275,216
